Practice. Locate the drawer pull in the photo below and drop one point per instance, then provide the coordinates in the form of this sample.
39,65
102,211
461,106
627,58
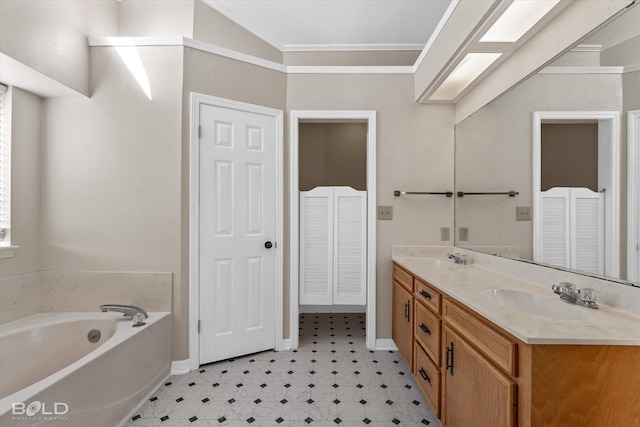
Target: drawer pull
424,375
425,294
425,329
450,359
407,311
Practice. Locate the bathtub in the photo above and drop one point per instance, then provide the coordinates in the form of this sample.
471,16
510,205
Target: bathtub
51,373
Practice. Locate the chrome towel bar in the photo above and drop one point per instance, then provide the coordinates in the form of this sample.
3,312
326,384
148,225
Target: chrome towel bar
504,193
443,193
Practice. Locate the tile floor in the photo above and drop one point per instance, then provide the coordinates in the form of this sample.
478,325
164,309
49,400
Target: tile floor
332,379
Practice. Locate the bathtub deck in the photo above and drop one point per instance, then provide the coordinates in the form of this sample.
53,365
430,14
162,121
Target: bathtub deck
329,380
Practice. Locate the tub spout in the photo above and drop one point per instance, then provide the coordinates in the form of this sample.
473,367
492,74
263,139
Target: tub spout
136,313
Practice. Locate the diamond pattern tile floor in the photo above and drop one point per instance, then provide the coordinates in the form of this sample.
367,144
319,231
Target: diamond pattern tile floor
332,379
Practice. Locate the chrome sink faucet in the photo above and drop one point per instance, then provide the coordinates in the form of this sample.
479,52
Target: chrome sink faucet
458,258
569,292
136,313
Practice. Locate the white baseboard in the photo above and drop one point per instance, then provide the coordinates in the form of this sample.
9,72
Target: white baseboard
286,344
386,344
179,367
333,309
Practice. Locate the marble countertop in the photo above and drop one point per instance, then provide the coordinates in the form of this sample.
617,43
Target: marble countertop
471,284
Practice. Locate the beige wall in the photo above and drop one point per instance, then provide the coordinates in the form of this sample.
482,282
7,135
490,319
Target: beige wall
415,152
379,57
494,152
26,113
332,154
111,168
51,36
569,155
138,18
211,26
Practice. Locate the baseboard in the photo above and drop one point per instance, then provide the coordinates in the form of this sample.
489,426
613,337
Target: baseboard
179,367
386,344
333,309
286,344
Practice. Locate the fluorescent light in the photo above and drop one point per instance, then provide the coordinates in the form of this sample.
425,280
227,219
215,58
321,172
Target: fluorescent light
519,17
467,71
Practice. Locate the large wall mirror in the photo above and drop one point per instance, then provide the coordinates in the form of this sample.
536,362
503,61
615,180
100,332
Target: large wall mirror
559,140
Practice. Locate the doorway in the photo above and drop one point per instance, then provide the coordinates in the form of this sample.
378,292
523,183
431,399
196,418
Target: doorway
341,116
235,226
557,214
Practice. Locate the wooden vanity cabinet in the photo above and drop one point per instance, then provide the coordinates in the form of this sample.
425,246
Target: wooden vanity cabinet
402,313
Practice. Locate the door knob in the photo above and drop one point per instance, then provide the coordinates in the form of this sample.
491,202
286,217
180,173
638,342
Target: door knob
268,245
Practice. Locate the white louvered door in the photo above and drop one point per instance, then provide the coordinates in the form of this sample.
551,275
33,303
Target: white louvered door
333,246
237,218
316,246
349,255
572,229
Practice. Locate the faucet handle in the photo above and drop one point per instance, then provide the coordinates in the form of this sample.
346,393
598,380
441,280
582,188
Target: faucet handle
588,295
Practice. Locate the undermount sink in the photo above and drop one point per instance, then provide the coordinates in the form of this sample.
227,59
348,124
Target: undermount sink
537,305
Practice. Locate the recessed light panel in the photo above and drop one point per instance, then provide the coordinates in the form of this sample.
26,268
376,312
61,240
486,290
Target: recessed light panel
467,71
519,18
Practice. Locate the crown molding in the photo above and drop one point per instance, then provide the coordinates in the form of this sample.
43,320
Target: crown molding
587,48
582,70
351,47
243,57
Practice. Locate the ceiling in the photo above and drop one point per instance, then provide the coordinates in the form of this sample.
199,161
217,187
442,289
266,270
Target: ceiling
337,24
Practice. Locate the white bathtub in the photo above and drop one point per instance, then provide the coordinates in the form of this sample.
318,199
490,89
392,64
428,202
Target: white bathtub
51,373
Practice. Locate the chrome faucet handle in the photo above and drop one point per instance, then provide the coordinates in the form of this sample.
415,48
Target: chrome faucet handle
589,295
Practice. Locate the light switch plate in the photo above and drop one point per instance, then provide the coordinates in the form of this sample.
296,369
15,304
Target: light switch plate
385,212
523,213
464,234
445,234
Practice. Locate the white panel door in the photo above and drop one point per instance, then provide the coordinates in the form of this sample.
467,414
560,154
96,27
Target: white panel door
237,219
316,246
350,245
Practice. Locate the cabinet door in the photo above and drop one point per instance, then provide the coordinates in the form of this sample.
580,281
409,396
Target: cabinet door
476,393
402,322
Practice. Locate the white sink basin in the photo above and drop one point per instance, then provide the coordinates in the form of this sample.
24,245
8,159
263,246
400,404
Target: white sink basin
537,305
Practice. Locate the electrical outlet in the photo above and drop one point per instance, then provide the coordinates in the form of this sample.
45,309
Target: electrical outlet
523,213
464,234
385,212
444,234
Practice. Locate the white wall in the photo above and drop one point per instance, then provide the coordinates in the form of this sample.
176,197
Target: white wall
26,116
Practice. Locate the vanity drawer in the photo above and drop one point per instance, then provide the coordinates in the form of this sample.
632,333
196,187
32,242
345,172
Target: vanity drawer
403,277
499,348
428,378
428,295
427,330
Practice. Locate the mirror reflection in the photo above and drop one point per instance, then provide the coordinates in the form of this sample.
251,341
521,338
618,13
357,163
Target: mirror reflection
559,139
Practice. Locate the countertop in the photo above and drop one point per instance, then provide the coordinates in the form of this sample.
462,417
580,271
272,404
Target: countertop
470,285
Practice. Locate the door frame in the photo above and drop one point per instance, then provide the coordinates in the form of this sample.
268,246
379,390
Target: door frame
612,195
331,116
197,100
633,194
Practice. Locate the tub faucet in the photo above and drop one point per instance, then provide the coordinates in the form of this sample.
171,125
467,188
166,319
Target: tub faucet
458,258
136,313
569,292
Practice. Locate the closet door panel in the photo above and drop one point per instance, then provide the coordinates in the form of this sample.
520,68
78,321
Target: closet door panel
316,246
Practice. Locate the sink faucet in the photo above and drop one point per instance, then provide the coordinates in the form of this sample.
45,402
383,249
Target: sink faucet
569,292
136,313
458,258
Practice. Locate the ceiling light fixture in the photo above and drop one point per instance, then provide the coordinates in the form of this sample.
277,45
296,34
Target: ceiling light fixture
519,18
467,71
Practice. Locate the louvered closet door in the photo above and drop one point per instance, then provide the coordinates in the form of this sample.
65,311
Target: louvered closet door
554,233
349,255
587,229
316,246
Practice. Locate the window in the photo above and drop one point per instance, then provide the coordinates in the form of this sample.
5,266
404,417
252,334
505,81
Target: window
5,167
